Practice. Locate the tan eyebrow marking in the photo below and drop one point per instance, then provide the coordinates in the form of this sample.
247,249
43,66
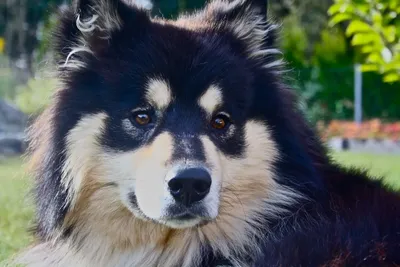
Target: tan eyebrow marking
211,99
158,93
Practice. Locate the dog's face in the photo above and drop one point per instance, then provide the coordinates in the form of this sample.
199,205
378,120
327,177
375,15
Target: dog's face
167,147
174,124
173,167
178,120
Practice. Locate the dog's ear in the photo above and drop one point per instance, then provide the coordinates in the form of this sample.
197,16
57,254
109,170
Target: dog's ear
248,21
88,26
103,15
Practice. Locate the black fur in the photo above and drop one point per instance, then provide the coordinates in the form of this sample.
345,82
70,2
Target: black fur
345,220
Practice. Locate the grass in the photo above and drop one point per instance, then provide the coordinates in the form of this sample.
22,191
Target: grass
16,210
387,165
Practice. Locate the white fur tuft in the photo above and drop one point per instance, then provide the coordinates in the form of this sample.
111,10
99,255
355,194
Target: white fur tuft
74,63
104,19
86,26
253,29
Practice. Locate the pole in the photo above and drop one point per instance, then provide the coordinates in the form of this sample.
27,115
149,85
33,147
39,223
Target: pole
357,94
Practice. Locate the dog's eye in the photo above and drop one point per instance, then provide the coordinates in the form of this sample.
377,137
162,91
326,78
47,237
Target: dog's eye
220,121
141,118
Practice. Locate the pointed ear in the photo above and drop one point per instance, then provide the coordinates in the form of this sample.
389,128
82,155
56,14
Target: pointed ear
103,15
86,28
247,20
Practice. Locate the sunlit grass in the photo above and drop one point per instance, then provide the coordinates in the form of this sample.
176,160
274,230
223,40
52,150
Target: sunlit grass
15,208
379,165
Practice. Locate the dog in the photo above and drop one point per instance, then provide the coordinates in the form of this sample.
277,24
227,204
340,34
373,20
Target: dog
178,143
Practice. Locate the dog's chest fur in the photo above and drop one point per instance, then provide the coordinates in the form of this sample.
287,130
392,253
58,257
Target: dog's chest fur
46,255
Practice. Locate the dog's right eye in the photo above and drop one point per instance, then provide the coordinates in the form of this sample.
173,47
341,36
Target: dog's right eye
220,121
140,118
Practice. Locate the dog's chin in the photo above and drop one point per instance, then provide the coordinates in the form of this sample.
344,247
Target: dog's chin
174,215
178,216
182,223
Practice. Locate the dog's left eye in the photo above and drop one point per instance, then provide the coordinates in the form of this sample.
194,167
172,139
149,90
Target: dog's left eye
141,118
220,121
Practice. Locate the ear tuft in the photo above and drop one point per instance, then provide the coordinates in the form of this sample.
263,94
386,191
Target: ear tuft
101,15
87,27
247,20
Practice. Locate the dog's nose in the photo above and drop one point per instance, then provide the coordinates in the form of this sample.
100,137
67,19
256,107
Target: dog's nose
190,185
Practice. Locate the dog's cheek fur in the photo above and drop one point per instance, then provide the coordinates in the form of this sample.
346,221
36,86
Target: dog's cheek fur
82,153
94,202
135,173
249,190
149,166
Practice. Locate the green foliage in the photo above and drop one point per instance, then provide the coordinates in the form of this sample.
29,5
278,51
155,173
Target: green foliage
294,41
331,48
318,78
33,97
374,28
325,81
45,44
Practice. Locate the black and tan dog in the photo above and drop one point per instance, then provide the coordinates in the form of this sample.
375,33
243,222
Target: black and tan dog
177,143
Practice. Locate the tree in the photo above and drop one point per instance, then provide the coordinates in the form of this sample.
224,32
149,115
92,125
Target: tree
374,28
313,22
22,20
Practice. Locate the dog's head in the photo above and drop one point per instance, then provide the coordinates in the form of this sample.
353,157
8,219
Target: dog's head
180,122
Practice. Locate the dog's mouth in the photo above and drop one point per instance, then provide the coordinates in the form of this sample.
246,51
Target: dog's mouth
181,217
176,215
178,211
184,216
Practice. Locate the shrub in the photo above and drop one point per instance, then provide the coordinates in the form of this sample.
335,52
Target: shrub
369,129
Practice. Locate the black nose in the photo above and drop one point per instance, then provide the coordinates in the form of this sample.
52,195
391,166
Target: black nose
190,185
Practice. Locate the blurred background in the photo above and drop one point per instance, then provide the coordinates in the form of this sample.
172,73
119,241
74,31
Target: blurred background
343,58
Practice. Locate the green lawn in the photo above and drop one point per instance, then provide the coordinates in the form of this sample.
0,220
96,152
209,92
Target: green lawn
387,165
16,207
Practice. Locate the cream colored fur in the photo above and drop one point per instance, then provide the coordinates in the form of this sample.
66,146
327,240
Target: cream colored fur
211,100
158,93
